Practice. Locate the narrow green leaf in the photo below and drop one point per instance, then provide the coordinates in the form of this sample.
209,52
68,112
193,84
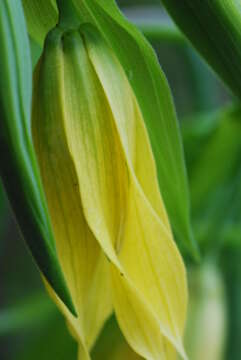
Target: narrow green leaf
214,28
153,94
18,165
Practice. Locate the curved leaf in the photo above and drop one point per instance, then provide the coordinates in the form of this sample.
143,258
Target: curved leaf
18,165
41,16
214,28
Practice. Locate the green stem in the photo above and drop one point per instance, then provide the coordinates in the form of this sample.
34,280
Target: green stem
68,17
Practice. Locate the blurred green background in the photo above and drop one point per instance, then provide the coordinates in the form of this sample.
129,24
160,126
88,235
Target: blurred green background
30,325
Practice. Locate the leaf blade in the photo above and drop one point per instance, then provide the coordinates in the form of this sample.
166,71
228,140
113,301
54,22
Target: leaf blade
19,170
213,27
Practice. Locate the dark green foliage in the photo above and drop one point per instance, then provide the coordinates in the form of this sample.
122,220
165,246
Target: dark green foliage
214,28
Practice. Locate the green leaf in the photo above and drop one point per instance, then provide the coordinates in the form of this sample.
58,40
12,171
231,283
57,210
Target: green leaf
18,165
214,28
41,16
215,177
35,50
155,100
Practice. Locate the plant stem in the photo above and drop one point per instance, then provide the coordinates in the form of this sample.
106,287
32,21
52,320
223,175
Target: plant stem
68,17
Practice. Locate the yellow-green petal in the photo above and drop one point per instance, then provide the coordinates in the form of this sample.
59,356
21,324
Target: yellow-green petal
84,264
138,322
105,131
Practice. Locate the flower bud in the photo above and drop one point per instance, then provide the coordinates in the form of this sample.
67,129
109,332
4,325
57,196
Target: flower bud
113,235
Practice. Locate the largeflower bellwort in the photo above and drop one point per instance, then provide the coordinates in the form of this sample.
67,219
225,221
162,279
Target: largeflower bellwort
112,232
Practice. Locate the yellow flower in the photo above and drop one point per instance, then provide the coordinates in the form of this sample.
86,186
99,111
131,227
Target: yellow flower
112,232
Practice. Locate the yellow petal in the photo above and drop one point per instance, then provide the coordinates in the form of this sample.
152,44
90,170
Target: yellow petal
94,147
160,262
138,322
117,180
84,264
128,120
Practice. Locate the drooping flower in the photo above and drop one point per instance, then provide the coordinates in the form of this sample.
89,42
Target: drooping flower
112,232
